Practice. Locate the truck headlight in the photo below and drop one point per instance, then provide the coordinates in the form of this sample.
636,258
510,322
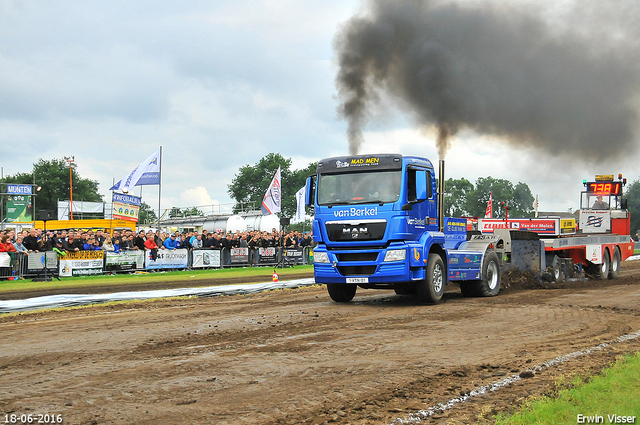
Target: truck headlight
320,257
395,255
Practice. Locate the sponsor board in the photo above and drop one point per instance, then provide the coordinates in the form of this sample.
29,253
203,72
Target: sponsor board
206,258
267,255
239,255
167,259
81,263
35,261
125,260
541,226
126,207
292,255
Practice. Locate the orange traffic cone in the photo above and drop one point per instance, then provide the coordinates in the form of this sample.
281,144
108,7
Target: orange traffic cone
274,275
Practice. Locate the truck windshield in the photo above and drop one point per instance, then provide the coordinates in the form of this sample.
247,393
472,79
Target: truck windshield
359,188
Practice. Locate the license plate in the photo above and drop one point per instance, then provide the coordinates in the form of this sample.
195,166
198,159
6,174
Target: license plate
357,280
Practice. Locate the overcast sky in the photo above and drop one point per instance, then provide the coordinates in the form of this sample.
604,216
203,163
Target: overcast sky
218,85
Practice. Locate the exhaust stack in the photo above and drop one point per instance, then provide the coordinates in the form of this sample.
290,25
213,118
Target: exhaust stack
441,196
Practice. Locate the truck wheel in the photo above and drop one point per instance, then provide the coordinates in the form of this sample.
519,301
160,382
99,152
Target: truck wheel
614,271
431,289
489,286
340,292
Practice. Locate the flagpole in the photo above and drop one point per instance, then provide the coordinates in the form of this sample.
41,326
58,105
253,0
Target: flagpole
160,186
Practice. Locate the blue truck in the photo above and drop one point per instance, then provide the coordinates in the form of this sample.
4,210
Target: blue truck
378,224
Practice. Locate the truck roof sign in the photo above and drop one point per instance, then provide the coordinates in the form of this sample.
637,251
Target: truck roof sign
343,164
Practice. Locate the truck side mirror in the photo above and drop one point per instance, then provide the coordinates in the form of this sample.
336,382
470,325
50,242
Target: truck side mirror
421,185
309,193
623,203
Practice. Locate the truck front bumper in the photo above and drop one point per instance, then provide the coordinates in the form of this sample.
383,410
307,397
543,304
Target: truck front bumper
343,267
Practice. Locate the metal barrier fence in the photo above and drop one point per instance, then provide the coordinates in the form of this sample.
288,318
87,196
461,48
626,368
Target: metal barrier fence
86,263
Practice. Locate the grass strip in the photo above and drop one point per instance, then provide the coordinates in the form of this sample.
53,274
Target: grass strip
612,396
7,286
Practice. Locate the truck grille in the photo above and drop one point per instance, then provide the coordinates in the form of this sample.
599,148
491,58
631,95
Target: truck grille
357,256
365,230
356,270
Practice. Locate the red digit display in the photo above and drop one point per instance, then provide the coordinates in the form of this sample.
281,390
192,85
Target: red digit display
604,188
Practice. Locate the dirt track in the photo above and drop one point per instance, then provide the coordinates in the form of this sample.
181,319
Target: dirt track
296,357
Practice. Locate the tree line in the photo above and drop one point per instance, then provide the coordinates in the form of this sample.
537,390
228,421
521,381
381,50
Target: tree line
463,199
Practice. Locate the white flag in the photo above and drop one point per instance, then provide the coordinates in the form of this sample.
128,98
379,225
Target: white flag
489,211
272,199
148,172
300,195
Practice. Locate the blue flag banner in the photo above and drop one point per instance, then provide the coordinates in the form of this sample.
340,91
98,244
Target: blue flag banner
147,173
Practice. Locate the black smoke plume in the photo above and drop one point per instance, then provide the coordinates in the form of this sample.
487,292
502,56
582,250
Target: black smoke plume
564,81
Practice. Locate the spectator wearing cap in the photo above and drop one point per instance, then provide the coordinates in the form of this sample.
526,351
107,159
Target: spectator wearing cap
171,242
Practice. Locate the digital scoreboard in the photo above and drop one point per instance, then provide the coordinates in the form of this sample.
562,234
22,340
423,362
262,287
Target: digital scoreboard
605,188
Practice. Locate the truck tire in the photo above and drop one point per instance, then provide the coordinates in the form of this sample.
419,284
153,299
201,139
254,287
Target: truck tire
600,271
430,290
341,292
614,270
489,286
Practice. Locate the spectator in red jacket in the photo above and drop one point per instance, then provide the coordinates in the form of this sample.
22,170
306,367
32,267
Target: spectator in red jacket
151,245
6,245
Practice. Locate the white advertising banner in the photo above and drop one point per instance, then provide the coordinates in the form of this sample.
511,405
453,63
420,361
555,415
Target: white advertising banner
167,259
5,260
124,260
206,258
81,263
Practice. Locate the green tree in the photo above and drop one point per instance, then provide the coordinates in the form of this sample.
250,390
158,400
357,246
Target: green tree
175,212
517,199
456,197
147,214
191,212
252,181
633,205
53,177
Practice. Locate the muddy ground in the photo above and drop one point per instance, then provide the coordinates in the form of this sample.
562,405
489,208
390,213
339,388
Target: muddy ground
294,356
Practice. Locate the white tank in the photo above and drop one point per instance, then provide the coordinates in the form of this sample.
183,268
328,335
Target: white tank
268,222
235,223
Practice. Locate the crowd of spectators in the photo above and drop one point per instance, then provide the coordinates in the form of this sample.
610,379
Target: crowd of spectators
36,240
